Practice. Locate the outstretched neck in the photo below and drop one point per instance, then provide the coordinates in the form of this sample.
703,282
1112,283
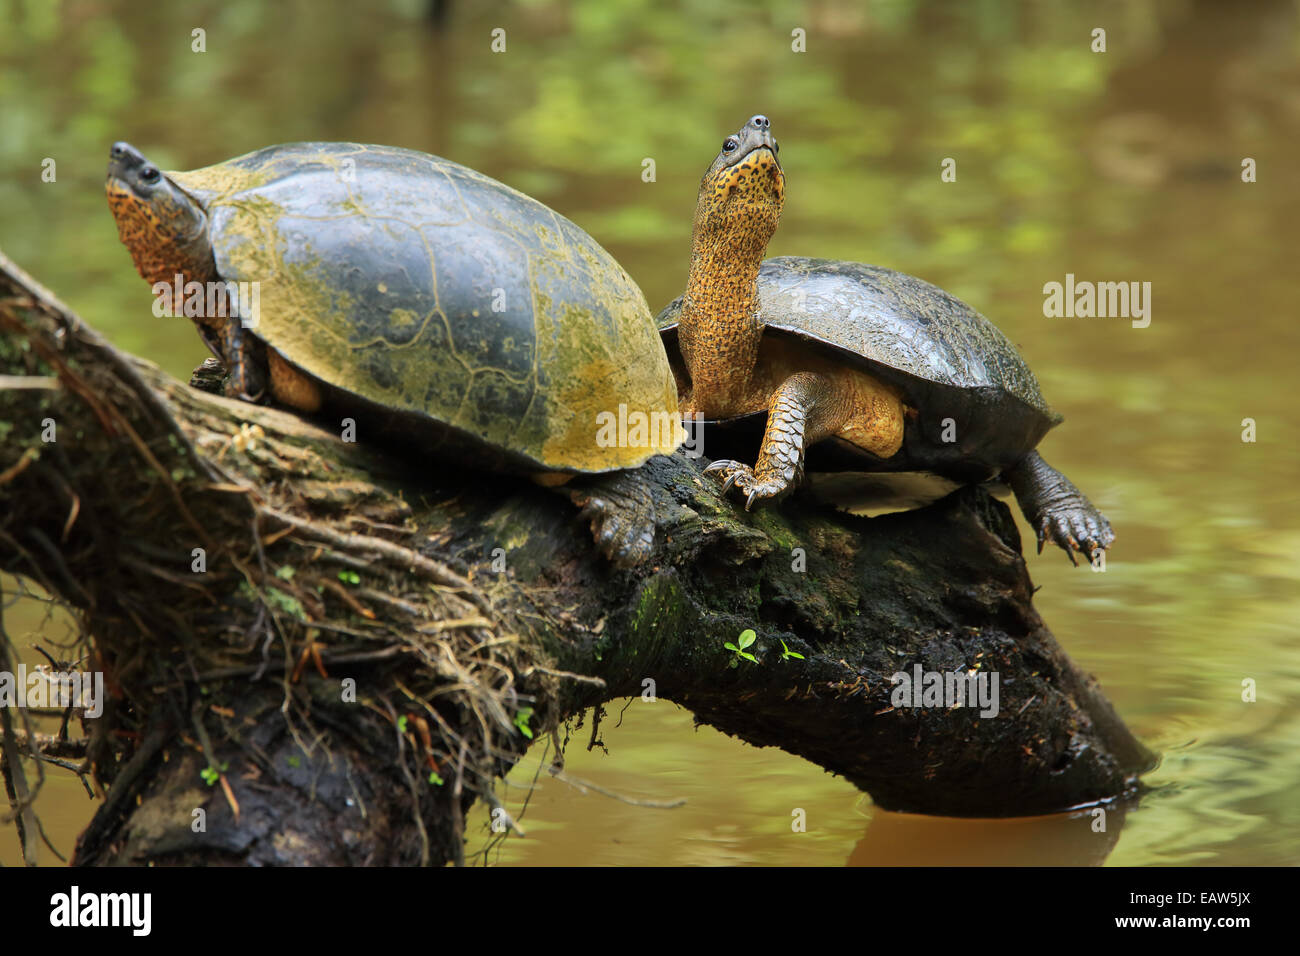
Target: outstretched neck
719,329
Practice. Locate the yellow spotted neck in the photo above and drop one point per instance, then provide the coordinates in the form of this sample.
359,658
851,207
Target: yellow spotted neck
719,330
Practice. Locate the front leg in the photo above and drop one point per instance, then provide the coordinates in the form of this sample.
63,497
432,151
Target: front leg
805,409
244,355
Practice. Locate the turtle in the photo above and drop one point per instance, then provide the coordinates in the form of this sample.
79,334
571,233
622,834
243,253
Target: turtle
889,373
437,308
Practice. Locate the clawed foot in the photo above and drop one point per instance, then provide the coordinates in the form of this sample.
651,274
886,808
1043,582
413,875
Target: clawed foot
1055,508
738,474
621,511
623,539
1074,526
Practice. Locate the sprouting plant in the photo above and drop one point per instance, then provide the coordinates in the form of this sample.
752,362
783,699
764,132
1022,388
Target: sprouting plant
522,716
786,653
211,774
401,724
747,637
349,577
434,779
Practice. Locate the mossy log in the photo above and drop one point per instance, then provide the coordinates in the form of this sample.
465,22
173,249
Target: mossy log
371,638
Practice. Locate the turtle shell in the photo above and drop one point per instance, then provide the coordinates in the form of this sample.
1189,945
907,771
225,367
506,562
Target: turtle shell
454,305
949,361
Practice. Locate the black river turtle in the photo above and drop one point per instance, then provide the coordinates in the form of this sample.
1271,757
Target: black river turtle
434,306
894,372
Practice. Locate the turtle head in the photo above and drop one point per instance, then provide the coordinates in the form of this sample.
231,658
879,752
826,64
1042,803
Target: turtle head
164,229
742,193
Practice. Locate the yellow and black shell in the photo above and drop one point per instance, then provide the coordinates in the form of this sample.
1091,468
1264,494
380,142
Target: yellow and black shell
443,299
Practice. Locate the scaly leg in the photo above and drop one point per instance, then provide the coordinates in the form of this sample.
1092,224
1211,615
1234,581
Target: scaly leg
805,409
621,510
244,356
1053,506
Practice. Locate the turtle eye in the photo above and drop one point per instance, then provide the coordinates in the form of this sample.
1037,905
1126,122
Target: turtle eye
150,175
729,144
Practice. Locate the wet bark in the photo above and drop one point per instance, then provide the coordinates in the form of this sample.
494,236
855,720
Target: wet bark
470,611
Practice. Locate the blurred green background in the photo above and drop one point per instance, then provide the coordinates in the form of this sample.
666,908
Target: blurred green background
1115,166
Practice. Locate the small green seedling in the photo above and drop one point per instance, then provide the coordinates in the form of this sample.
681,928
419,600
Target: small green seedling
747,637
522,716
786,653
349,577
211,774
434,779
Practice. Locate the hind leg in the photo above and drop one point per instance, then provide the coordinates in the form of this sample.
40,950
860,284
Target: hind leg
621,509
1054,507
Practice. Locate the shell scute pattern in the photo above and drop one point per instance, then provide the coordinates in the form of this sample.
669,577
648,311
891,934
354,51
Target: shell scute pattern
427,287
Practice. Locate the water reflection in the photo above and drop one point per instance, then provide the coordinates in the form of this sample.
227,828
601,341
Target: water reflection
1063,839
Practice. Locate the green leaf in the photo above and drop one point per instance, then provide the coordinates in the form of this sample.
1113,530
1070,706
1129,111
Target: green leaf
349,577
731,647
747,637
521,721
285,573
401,724
435,779
749,657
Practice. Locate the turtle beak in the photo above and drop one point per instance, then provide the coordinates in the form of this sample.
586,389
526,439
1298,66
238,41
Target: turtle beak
123,159
756,135
128,168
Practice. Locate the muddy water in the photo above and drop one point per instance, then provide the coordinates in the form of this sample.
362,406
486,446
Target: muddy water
1107,167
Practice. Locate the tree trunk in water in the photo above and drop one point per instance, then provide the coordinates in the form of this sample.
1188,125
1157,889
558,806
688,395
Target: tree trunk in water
324,653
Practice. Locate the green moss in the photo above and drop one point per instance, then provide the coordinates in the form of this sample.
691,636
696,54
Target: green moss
775,527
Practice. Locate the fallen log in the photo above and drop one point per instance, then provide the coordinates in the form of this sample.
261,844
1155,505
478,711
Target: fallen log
321,652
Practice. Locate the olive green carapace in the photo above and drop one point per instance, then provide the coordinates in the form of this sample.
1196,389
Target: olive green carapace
428,288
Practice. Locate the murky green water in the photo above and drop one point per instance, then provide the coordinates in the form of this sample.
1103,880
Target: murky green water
1115,166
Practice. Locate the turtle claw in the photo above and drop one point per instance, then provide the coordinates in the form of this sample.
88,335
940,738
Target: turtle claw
1076,526
1056,509
736,474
